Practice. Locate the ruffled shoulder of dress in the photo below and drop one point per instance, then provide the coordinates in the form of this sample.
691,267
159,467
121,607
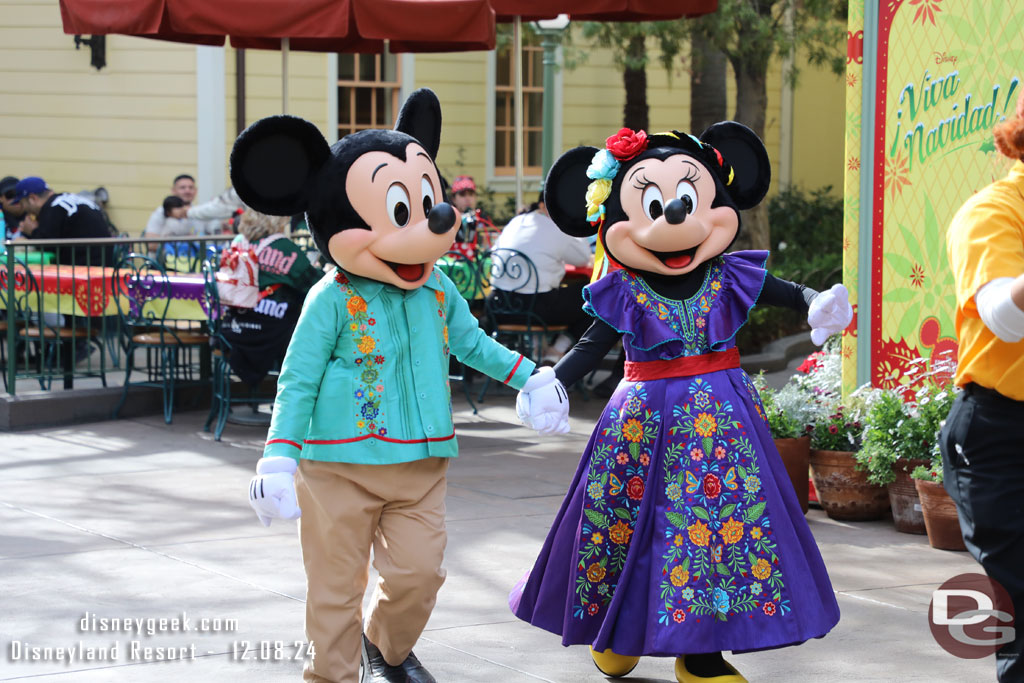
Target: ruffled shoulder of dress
743,275
623,303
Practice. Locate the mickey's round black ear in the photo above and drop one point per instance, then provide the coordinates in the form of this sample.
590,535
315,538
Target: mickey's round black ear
565,192
421,118
274,162
744,151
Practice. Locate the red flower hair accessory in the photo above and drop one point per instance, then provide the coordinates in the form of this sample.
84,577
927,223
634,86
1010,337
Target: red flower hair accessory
626,144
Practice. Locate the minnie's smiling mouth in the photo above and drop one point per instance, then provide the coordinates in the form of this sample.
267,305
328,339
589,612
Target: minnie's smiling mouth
410,272
676,259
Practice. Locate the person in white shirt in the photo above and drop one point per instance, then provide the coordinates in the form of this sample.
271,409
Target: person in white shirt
537,236
162,225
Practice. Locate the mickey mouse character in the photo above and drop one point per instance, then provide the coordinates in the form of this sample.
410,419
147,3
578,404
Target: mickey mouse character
680,535
362,429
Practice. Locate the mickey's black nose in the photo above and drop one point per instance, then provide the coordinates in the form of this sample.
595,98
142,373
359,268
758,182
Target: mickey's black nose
441,218
675,211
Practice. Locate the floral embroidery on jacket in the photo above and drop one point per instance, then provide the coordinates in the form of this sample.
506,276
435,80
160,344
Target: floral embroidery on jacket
368,400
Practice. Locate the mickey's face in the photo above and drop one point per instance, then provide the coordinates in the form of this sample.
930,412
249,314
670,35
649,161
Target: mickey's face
670,226
395,198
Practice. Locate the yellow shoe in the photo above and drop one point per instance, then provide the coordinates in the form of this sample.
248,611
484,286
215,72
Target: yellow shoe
684,676
611,664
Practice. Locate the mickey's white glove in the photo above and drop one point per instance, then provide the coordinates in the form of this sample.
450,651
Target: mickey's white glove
543,403
830,312
272,490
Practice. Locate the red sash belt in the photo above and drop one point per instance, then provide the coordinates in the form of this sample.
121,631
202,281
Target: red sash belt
684,366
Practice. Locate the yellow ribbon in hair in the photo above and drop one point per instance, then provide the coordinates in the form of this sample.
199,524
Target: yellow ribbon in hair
732,174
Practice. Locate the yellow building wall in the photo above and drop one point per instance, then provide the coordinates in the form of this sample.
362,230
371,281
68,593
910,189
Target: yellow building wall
130,127
819,124
460,81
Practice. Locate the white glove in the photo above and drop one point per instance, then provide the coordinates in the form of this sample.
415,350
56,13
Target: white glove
272,490
829,313
543,403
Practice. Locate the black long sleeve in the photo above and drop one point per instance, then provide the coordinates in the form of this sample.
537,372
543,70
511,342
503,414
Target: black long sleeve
595,343
778,292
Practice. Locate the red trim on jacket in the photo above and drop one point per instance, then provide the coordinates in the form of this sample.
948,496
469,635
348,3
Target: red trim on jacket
327,442
290,443
514,368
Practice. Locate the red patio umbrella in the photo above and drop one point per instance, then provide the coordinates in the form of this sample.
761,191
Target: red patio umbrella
311,25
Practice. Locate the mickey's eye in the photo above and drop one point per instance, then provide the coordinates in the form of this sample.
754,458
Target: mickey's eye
687,194
428,194
654,203
398,205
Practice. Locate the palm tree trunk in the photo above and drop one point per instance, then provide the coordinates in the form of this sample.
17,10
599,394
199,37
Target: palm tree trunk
751,105
635,113
707,84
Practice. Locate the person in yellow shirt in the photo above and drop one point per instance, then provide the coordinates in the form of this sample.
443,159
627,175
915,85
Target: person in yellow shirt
982,441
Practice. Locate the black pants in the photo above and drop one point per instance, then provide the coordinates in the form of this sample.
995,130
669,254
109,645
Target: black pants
982,447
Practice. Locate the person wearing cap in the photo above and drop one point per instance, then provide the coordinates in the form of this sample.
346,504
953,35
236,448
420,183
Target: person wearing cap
464,200
63,216
12,212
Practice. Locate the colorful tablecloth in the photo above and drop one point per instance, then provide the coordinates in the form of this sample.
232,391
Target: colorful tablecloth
92,291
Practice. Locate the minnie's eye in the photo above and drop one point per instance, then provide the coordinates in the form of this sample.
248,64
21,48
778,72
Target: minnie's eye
687,194
654,203
398,205
428,194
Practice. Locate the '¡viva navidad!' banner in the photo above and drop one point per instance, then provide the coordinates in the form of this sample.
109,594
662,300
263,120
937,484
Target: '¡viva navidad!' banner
947,71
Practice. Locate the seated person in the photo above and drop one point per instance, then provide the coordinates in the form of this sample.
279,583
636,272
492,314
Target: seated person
164,224
475,223
259,336
62,215
537,236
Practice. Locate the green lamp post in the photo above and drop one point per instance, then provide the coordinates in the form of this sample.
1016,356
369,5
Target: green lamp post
550,32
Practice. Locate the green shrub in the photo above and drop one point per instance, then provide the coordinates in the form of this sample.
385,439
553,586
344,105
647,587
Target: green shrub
806,248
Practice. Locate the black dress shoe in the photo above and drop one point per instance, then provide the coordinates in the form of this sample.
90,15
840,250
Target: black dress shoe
377,670
416,671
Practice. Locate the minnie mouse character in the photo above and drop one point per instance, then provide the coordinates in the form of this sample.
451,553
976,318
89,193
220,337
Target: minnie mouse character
681,534
362,428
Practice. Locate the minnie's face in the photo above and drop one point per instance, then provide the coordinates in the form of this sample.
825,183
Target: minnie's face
394,198
670,226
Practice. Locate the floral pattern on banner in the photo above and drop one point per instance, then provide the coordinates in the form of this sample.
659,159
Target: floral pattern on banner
615,488
689,319
369,387
720,559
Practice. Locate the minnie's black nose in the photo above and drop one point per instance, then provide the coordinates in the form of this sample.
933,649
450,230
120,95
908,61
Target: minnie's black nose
441,218
676,210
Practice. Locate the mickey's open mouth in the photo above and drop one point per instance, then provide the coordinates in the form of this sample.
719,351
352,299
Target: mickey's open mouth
410,272
676,259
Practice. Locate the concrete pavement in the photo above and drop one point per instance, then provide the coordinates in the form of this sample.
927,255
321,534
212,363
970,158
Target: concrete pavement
136,519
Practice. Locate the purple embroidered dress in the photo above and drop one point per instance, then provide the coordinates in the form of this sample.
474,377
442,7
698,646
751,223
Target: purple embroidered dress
680,533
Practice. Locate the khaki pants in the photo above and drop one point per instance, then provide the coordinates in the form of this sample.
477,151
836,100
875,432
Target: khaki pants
346,509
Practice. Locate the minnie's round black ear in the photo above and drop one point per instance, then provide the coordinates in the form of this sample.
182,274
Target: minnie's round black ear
744,151
274,162
565,192
421,118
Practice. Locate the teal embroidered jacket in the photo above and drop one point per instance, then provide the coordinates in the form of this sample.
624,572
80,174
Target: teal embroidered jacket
365,377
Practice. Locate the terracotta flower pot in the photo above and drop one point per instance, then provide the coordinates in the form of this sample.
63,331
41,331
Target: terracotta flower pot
843,491
795,454
940,516
906,504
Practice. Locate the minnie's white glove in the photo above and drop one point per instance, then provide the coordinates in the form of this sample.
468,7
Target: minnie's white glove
272,490
829,313
543,403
